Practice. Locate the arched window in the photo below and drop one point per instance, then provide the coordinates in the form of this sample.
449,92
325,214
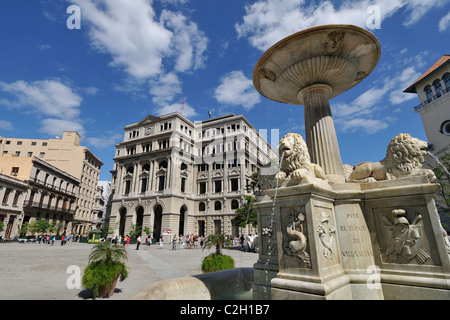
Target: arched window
446,79
183,166
163,164
146,167
217,205
429,93
130,169
201,206
437,87
234,204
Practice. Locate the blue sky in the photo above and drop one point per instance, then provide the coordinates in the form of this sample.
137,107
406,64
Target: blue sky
132,58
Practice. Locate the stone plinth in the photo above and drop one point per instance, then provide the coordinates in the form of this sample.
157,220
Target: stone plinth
379,240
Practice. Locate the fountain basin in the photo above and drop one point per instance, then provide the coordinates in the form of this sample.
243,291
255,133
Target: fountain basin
233,284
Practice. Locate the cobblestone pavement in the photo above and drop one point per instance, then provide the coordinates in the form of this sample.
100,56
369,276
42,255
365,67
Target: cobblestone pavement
31,271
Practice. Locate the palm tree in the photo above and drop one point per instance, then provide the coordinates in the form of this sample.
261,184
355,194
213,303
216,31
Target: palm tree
104,269
106,252
215,239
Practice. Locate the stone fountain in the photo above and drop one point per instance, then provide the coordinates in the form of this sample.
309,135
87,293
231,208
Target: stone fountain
322,237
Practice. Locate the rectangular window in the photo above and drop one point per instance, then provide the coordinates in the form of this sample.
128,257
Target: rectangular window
234,184
6,196
183,184
218,186
30,154
44,144
202,187
42,154
15,171
16,198
19,143
161,183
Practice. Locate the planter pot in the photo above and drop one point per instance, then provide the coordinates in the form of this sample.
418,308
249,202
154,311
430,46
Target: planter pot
103,291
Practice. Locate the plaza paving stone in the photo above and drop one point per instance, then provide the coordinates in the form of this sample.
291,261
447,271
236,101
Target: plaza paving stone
32,271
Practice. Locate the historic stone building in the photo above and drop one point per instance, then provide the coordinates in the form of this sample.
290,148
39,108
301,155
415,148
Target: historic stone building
12,196
432,89
68,155
180,177
38,190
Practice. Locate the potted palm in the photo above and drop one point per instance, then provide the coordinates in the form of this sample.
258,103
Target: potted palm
216,261
105,268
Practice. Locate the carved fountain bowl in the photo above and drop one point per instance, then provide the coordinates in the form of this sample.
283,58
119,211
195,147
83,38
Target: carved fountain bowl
339,56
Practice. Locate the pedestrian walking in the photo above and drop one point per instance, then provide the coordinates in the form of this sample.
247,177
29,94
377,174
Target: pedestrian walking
128,240
149,241
53,240
174,242
181,241
138,242
161,242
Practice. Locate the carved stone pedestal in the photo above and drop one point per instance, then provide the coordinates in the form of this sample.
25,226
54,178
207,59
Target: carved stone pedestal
379,240
308,254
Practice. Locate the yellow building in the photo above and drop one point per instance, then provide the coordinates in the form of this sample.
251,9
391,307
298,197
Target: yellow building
433,89
50,193
68,155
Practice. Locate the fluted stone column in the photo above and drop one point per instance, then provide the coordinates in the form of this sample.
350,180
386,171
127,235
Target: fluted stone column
320,132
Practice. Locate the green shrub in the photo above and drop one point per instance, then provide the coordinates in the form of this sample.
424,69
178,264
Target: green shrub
105,266
217,262
101,273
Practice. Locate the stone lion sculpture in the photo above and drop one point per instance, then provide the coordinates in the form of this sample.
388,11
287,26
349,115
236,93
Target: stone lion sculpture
296,163
404,157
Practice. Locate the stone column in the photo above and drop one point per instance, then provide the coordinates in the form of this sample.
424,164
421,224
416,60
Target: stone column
320,132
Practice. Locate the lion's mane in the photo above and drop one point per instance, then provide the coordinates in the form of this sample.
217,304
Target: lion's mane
300,155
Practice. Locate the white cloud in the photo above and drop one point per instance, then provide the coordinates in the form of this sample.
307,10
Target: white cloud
55,127
370,126
104,141
128,31
188,43
268,21
236,89
165,88
444,23
185,109
52,100
147,47
6,125
47,97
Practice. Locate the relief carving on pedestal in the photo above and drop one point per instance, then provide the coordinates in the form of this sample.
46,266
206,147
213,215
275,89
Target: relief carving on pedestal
327,234
297,241
404,238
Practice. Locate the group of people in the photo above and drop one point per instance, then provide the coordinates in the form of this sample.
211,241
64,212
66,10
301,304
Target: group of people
191,241
47,239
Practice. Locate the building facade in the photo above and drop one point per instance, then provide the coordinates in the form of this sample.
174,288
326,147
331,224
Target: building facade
12,195
179,177
68,155
46,193
433,91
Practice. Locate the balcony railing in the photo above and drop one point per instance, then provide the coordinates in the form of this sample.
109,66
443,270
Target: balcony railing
45,206
53,187
433,98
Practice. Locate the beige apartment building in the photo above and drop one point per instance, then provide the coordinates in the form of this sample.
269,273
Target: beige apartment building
433,91
68,155
45,192
180,177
